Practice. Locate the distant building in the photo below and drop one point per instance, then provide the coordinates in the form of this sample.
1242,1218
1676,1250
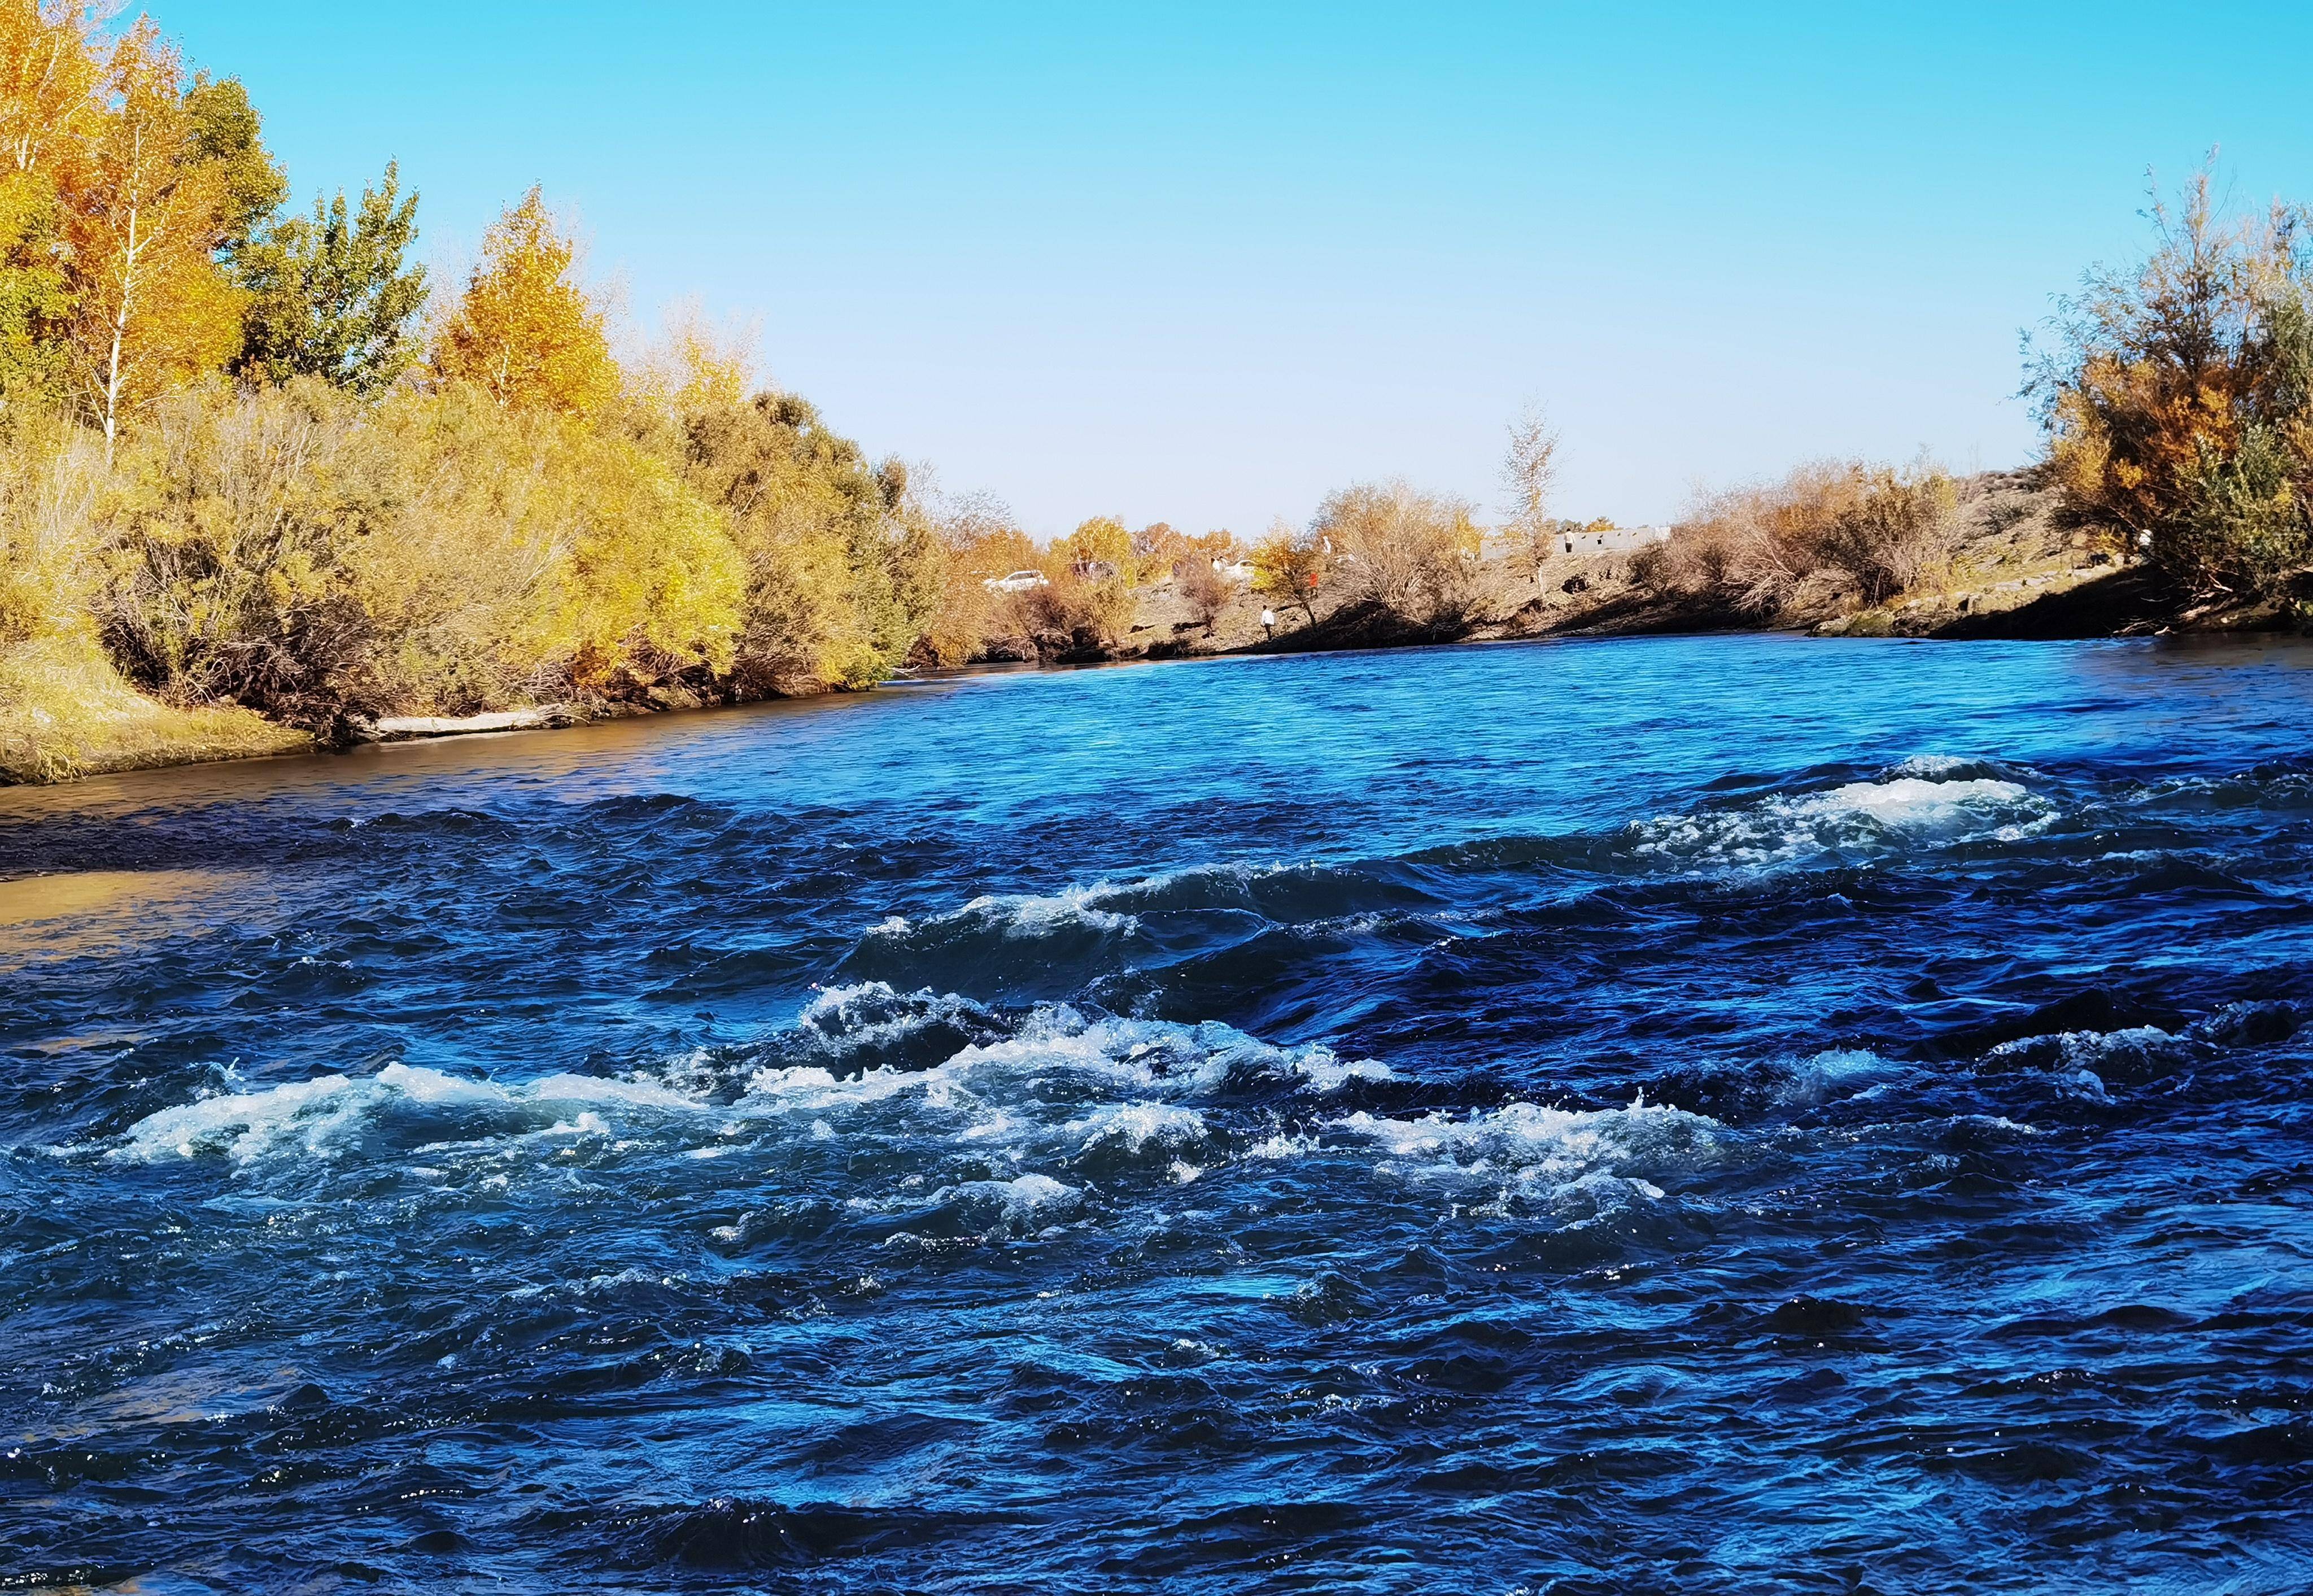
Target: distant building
1610,540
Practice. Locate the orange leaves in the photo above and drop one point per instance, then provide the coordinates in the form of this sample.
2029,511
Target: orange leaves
525,332
2171,417
49,73
99,142
150,307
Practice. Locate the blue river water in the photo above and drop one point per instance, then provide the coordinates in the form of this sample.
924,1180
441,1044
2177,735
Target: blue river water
1735,1114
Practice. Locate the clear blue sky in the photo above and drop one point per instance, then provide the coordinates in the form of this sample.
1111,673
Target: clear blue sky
1201,263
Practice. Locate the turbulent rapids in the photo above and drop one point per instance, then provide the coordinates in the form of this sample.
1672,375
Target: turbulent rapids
1720,1114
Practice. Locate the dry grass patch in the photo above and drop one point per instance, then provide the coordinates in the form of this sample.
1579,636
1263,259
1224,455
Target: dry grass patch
65,713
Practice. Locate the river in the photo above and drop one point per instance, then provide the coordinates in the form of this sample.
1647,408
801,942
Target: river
1731,1113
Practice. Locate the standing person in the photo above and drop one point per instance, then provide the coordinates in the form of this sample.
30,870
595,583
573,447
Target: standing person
1269,620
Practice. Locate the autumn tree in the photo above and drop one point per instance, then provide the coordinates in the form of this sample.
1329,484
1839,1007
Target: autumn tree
1289,565
1157,550
152,307
1102,540
840,578
696,366
1219,546
1530,471
49,111
2177,395
525,332
1414,553
334,294
225,133
34,296
48,72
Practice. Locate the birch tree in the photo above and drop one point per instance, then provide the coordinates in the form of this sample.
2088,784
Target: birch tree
152,309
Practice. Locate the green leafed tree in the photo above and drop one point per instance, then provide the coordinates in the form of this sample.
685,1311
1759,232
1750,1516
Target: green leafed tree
34,296
334,294
225,131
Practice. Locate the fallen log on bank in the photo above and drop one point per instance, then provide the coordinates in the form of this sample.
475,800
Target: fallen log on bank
396,729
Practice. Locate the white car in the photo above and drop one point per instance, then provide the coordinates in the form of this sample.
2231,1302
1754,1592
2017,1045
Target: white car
1017,582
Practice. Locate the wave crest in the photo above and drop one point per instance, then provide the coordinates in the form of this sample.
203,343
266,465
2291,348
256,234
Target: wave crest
1911,806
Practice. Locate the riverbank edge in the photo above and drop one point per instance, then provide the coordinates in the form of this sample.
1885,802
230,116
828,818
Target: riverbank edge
71,716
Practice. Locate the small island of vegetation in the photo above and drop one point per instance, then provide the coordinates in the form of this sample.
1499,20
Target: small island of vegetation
263,487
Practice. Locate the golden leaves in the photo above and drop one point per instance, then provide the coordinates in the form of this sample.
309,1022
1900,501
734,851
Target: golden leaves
525,332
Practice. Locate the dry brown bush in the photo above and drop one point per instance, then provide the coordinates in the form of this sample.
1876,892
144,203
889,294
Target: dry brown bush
1829,529
1204,589
1414,553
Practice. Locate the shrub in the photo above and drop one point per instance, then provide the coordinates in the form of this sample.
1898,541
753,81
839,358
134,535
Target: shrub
2177,398
1203,590
841,578
1092,612
51,474
226,576
1826,527
978,541
1414,553
300,552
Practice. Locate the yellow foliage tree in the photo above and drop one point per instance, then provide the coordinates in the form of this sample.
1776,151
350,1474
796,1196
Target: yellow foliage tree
525,330
653,585
150,307
1101,540
1288,565
47,84
697,367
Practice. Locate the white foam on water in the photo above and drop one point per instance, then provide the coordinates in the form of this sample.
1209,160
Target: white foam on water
1528,1151
1021,1206
2086,1049
2081,1062
1044,1090
1138,1125
1023,915
1326,1073
319,1119
1031,1194
1835,1073
1894,811
873,1014
1105,905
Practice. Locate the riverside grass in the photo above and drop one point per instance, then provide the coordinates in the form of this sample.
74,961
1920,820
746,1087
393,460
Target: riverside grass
64,712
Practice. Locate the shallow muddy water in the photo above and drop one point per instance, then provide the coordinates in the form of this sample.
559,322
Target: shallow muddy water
1710,1114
